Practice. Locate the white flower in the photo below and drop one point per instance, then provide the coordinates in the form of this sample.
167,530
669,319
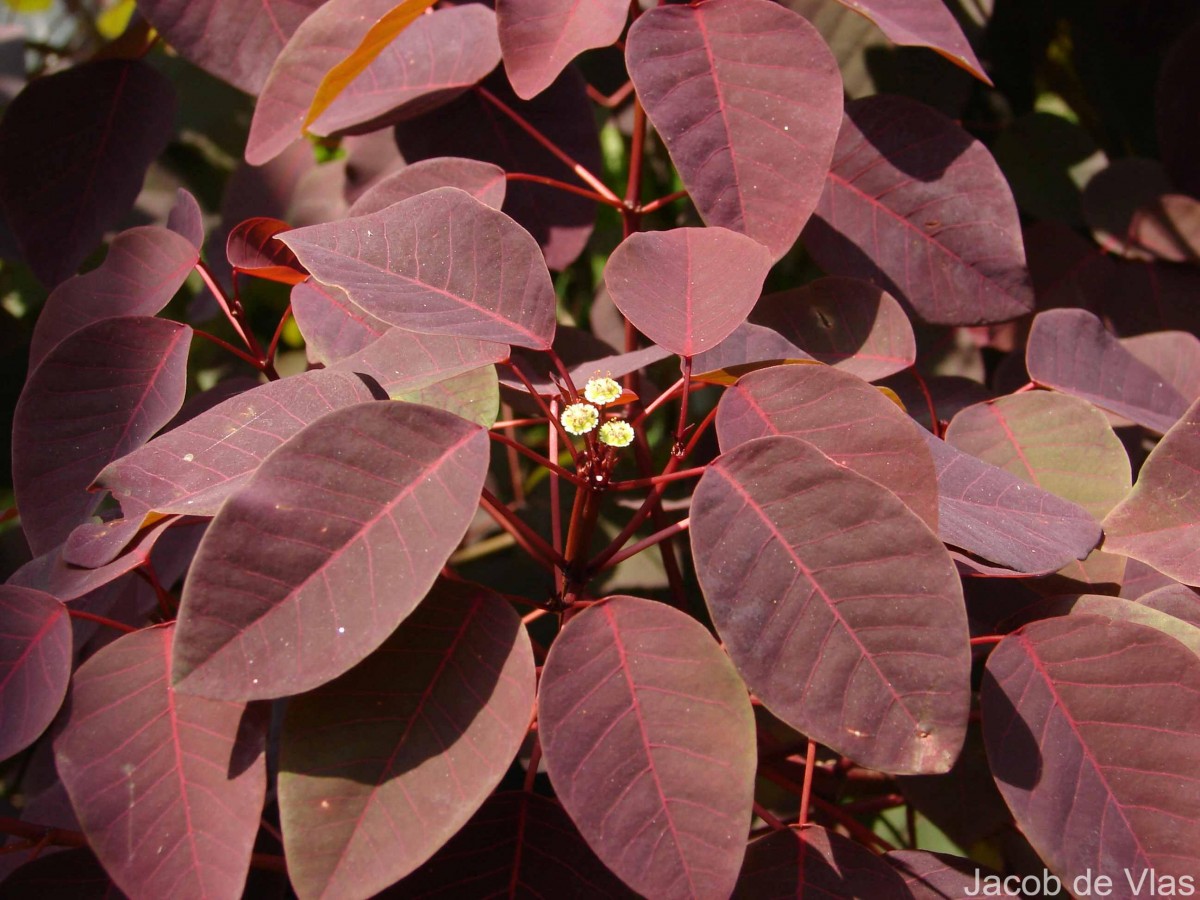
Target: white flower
580,418
601,390
616,433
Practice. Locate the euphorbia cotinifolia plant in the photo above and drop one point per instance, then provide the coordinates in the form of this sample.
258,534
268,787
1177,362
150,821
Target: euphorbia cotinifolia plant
366,555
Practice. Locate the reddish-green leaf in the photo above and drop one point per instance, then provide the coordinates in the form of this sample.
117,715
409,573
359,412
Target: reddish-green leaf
35,664
232,39
97,396
688,288
815,863
747,98
326,549
918,206
1159,522
842,416
333,327
1071,351
1174,599
539,38
185,219
519,844
839,606
1173,354
921,23
74,148
427,65
382,766
844,322
482,180
254,247
638,707
329,34
168,787
144,268
1099,779
440,263
193,468
1111,608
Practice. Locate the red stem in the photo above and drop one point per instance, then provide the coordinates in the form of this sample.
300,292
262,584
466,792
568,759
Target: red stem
653,480
767,816
529,539
810,765
563,186
538,399
224,345
935,424
658,204
210,280
92,617
658,537
536,457
987,639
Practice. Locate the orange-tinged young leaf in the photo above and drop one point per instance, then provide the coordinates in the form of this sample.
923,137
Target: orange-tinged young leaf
373,43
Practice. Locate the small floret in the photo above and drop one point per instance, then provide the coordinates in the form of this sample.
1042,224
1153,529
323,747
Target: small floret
580,418
616,433
601,390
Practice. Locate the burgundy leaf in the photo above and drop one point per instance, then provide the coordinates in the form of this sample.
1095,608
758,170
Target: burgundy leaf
425,728
333,327
35,664
845,418
688,288
1111,608
918,206
746,96
748,348
1175,600
144,268
1060,444
938,876
74,147
826,590
1098,780
168,787
1071,351
97,396
254,246
328,35
637,708
1178,110
843,322
73,874
815,862
427,65
482,180
541,37
474,127
195,467
1159,522
613,366
231,39
921,23
440,263
518,845
185,219
330,544
988,512
942,395
1173,354
1113,196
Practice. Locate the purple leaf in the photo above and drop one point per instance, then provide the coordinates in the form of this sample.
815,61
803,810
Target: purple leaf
328,35
1112,198
614,365
688,288
918,206
541,37
97,396
195,467
747,98
74,147
815,862
637,703
1110,608
430,63
1057,443
425,728
518,844
845,418
1173,354
253,246
185,219
1070,351
827,590
482,180
1064,745
144,268
473,127
330,544
440,263
948,394
234,40
849,324
1000,517
168,787
35,664
1159,522
921,23
1175,600
748,348
473,395
938,876
333,327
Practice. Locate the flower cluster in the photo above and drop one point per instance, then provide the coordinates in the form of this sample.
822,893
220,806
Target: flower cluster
582,418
